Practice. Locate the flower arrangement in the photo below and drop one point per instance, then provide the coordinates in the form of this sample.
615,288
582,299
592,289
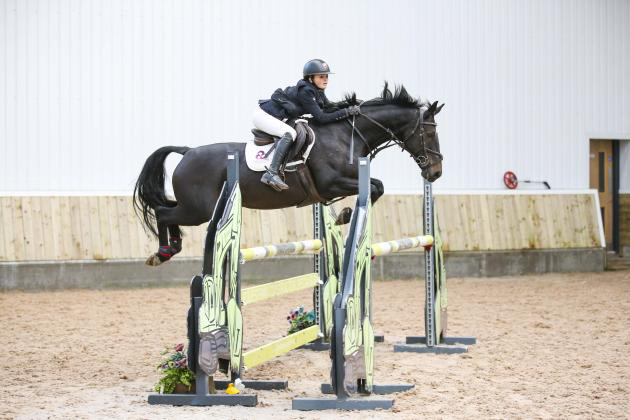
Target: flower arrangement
174,371
299,320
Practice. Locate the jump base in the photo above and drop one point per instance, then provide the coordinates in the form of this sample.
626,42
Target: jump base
203,400
306,404
467,341
318,345
321,345
376,389
256,385
439,349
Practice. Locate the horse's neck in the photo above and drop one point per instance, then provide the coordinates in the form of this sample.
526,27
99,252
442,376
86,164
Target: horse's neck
377,136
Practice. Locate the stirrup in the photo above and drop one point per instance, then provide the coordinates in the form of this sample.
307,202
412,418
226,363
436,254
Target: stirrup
274,181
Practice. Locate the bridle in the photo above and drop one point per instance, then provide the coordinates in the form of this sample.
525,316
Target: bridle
421,158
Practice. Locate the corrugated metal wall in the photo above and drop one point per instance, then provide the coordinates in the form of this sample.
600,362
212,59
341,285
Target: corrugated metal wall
89,88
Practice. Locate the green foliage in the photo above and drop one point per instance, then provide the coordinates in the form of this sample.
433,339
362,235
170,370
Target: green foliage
174,370
299,320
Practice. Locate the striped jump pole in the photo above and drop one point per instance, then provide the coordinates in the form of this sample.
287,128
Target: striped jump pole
390,247
289,248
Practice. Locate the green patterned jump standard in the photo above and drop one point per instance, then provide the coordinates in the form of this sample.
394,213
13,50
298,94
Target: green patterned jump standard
352,337
209,347
435,339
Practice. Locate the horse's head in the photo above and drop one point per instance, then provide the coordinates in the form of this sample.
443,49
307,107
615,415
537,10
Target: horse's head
423,142
405,121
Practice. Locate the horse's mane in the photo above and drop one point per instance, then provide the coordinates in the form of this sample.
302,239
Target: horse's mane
399,97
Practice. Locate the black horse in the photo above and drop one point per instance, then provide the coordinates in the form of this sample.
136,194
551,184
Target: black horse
392,119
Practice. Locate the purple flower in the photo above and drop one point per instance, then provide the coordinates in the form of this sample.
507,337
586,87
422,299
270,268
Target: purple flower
179,347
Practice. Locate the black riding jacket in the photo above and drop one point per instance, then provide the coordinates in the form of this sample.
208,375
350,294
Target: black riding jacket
304,98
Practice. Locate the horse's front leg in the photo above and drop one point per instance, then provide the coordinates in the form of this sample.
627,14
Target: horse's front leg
350,186
377,189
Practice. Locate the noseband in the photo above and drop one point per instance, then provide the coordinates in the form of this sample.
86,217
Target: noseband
421,158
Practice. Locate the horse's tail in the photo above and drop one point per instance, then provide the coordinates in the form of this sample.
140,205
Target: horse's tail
149,190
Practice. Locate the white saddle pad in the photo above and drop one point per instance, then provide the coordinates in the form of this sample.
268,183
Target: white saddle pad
255,156
257,162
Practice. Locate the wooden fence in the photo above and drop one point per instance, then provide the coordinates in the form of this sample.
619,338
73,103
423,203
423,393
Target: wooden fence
98,228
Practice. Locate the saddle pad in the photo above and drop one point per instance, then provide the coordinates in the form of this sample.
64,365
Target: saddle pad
255,156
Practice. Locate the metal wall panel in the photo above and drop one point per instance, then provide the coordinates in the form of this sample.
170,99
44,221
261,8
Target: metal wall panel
88,89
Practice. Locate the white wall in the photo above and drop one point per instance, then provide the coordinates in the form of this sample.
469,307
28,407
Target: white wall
89,88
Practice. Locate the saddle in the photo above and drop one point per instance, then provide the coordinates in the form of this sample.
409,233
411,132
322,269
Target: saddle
295,163
301,146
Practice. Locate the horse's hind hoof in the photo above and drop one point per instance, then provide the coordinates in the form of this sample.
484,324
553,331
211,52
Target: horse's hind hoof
344,216
153,260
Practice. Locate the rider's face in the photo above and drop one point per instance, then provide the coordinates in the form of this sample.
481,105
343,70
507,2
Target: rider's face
320,80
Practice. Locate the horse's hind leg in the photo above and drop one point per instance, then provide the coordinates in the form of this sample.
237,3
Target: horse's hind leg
175,238
169,244
166,249
168,221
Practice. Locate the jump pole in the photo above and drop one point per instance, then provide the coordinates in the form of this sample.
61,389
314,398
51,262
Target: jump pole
435,339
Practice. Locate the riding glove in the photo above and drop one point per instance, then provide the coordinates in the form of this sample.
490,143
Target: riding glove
354,110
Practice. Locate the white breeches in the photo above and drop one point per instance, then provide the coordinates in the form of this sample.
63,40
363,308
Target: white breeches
271,125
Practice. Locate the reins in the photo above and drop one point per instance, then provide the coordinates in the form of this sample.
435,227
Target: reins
421,158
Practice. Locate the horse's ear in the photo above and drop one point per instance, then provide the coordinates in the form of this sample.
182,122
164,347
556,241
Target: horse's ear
431,110
439,108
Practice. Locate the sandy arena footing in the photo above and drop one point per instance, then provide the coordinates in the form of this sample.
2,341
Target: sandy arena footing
548,346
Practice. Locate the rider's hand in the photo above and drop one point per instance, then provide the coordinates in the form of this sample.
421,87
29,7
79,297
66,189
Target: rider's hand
353,110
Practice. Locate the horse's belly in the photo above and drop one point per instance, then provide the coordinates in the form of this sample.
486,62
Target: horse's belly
256,195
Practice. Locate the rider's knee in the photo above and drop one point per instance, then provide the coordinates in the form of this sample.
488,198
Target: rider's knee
291,133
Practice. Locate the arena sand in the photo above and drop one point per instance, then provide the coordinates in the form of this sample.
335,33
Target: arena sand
550,346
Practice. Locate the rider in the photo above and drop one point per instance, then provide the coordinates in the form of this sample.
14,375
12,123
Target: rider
307,97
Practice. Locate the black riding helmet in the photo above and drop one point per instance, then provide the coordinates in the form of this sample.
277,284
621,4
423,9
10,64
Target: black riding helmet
316,66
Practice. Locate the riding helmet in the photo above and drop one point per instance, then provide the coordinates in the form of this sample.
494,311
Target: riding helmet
316,66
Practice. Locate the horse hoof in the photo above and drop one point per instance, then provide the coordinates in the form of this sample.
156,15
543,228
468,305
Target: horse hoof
344,216
153,260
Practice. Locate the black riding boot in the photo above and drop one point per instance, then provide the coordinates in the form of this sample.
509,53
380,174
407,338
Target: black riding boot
271,177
